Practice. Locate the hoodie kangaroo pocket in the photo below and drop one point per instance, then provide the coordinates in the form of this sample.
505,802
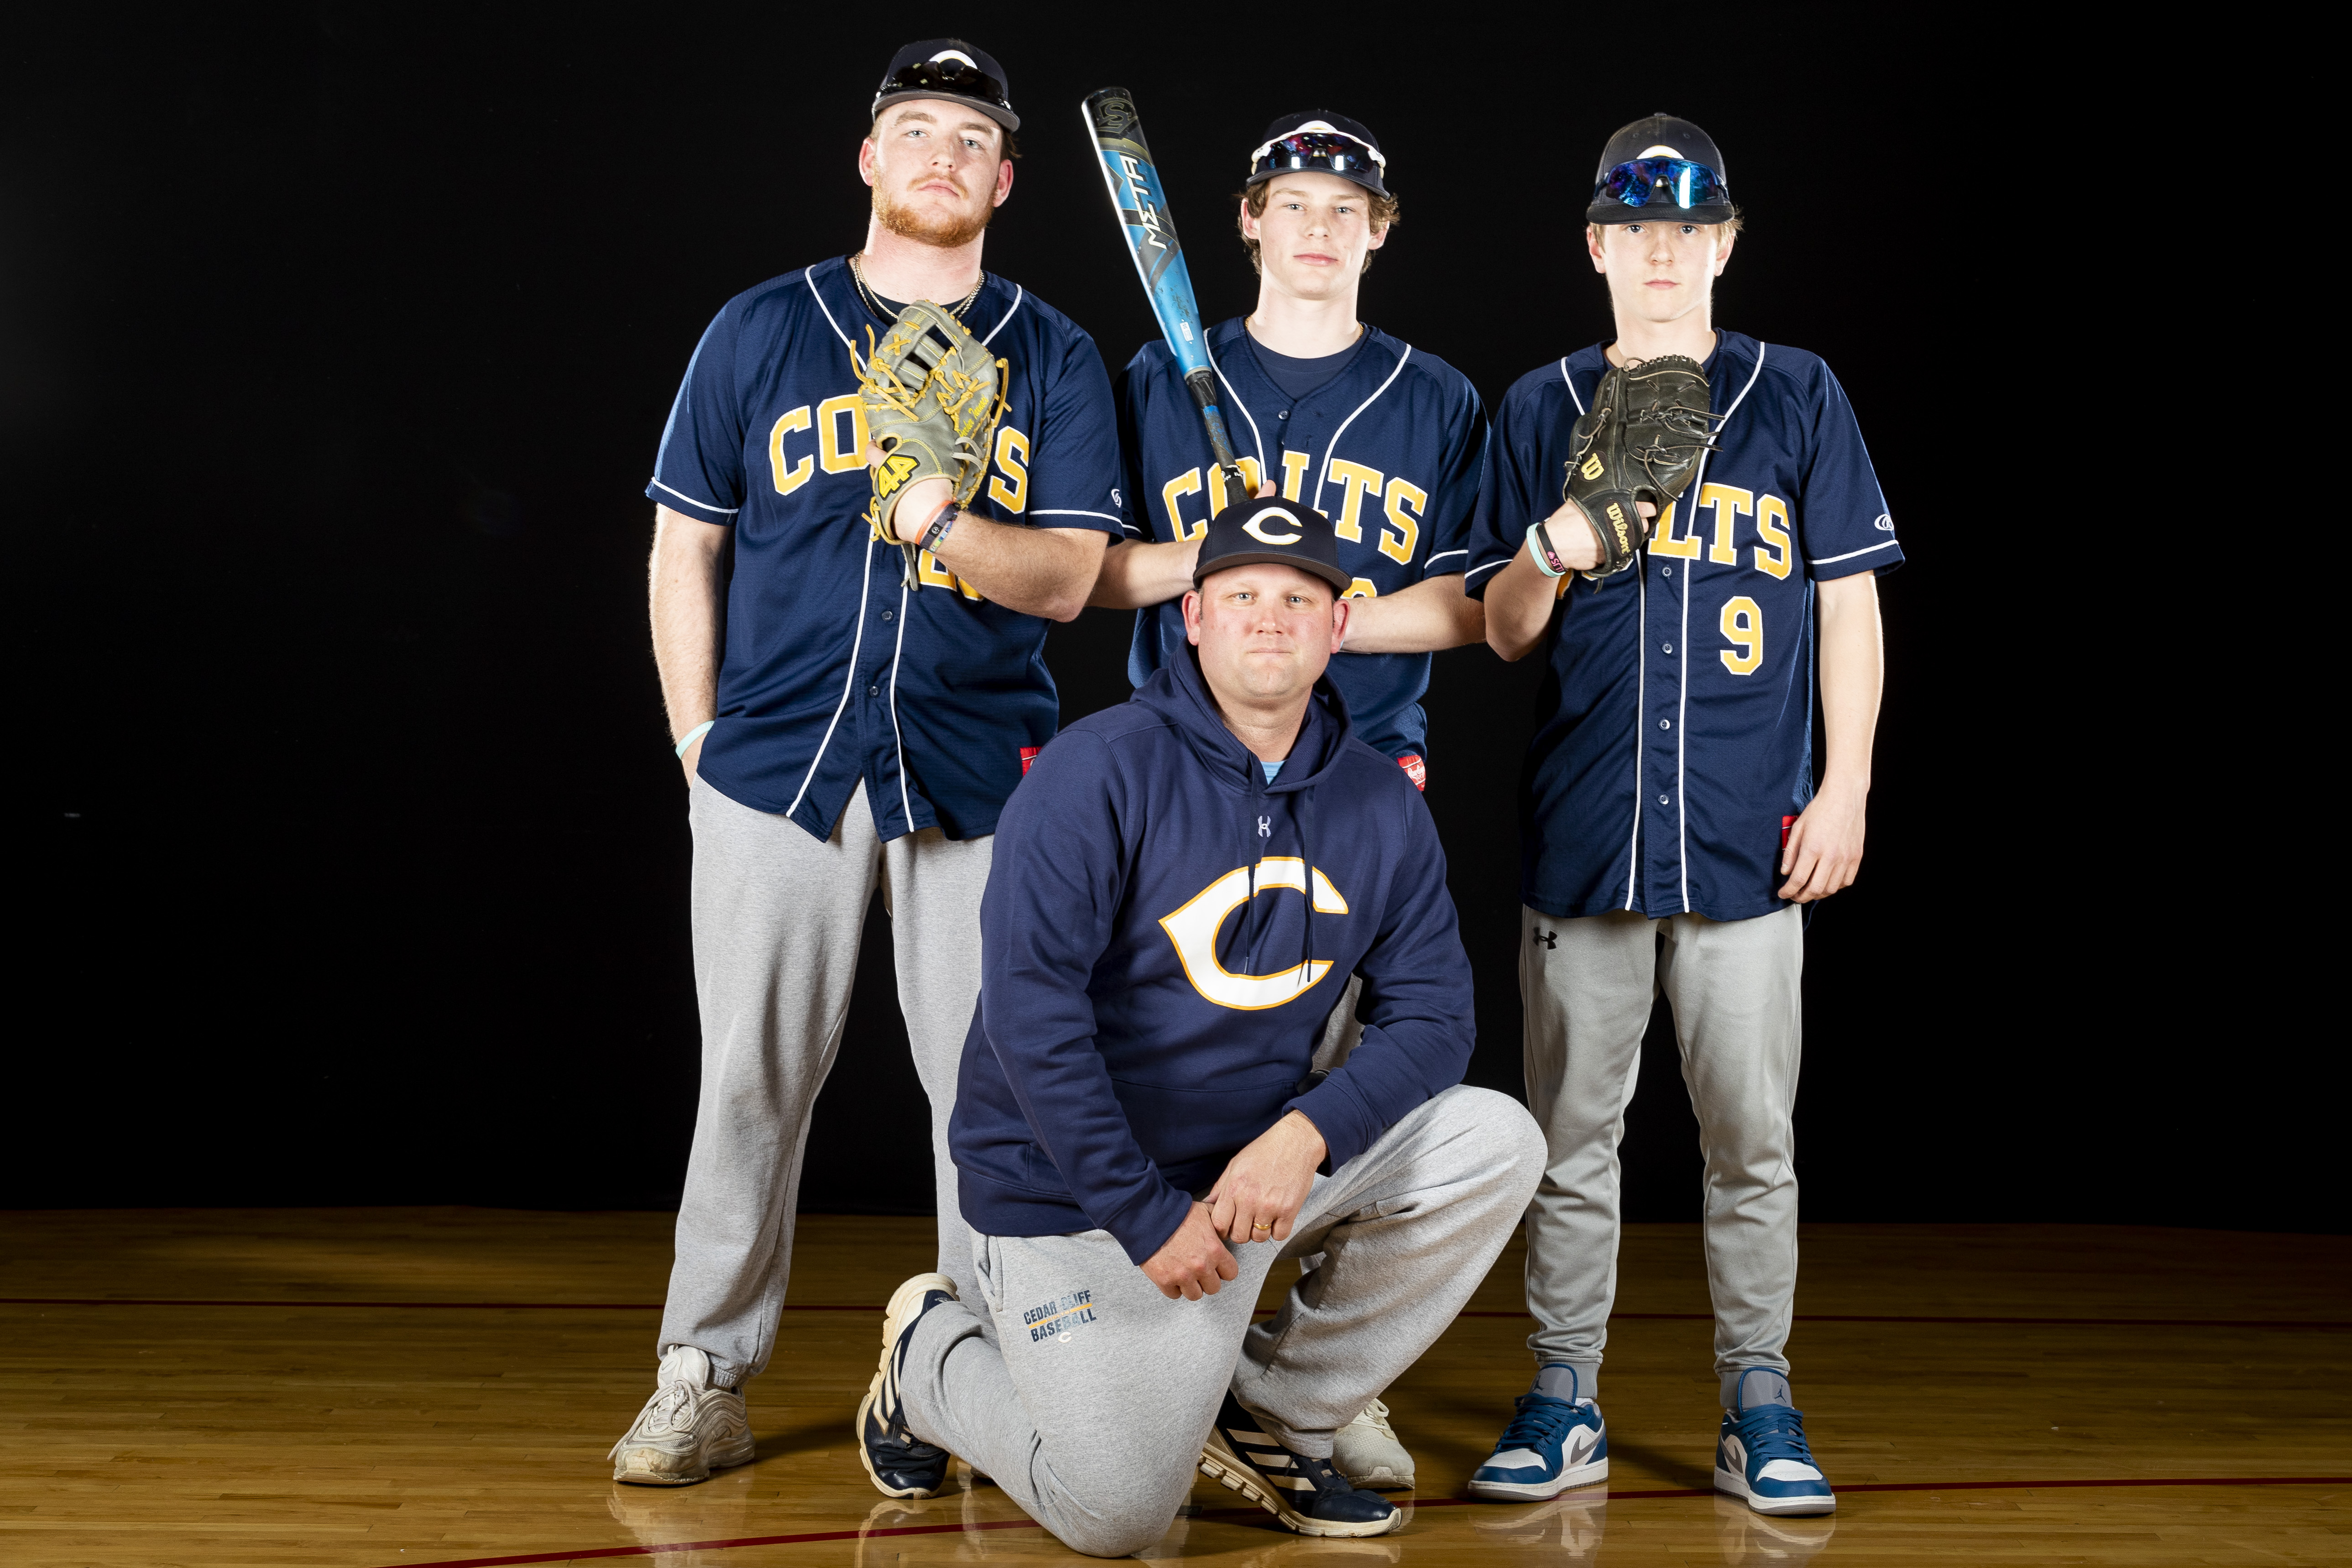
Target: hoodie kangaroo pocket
1177,1126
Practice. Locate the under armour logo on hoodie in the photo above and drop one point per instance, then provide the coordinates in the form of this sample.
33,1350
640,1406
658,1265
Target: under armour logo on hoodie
1266,827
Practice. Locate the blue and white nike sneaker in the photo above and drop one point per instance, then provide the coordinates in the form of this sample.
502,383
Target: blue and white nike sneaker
1761,1454
1304,1493
1550,1446
899,1463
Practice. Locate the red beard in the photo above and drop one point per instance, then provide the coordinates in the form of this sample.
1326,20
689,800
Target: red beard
929,227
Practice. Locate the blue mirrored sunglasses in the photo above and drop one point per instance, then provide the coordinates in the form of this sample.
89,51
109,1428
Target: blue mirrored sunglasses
1676,181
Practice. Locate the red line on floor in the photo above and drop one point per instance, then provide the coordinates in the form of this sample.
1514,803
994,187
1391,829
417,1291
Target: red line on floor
1480,1312
597,1552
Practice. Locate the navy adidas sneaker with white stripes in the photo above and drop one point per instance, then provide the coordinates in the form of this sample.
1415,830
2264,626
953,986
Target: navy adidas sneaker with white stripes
900,1464
1306,1494
1550,1446
1761,1454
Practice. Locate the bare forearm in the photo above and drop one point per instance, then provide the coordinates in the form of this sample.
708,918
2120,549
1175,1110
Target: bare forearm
1519,602
1854,665
1423,618
687,605
1138,574
1045,572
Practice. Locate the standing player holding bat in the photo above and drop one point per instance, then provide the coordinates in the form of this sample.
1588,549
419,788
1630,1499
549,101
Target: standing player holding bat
1332,412
855,698
1685,523
1385,437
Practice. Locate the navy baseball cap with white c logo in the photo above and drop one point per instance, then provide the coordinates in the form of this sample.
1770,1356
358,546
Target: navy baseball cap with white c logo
1263,529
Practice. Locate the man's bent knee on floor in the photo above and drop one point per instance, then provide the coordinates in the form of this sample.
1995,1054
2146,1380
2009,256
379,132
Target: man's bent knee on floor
1179,885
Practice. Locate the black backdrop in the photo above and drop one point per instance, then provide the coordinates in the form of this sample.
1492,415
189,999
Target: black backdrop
349,853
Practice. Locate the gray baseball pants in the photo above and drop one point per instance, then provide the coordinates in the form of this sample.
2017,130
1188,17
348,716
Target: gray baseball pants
777,917
1588,986
1087,1394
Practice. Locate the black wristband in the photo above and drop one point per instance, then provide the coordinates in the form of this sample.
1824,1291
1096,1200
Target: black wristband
1540,537
941,521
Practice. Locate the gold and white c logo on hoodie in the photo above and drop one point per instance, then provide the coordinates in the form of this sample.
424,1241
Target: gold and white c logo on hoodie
1193,930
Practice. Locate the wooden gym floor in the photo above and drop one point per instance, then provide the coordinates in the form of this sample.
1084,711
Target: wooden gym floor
431,1388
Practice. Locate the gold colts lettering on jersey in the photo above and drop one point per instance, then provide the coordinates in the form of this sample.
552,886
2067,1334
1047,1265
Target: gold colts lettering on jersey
836,429
1401,503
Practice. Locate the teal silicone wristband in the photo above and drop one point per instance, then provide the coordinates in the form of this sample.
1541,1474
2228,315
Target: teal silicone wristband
693,735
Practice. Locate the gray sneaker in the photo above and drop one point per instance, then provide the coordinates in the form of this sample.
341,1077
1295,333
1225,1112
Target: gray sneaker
686,1430
1367,1452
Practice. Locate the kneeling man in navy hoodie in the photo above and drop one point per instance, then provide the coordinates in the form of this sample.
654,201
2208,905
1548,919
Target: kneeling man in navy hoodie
1180,884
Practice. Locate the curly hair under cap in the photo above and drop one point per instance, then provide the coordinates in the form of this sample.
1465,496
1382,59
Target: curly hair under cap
1380,210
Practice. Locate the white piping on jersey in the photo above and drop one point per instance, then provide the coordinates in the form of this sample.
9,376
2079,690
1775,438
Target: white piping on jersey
1324,477
1074,511
1825,560
1681,697
1641,684
1256,439
1506,560
1641,710
809,277
1438,557
731,510
897,741
1019,294
851,684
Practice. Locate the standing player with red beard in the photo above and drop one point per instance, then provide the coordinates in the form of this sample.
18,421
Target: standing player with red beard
848,714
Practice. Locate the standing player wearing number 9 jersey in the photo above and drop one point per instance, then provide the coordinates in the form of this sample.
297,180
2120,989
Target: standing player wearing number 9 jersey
1669,822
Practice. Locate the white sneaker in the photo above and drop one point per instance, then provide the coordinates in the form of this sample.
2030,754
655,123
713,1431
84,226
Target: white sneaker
686,1430
1367,1452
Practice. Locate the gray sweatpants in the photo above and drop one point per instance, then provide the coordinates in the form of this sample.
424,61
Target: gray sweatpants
777,917
1087,1394
1588,986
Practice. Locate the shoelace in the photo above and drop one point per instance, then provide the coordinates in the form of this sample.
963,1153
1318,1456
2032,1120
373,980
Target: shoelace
669,1405
1773,1432
1538,1422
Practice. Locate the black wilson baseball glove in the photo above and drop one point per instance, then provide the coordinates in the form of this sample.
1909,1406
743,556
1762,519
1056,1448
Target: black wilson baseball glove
1640,441
932,398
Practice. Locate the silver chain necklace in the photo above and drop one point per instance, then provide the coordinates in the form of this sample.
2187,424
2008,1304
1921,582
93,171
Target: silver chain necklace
872,301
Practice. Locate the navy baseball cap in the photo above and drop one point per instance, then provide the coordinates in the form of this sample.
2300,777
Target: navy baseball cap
948,68
1660,169
1319,138
1256,529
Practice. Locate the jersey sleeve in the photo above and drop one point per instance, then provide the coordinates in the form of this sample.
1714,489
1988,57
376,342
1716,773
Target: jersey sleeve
1842,524
698,470
1131,392
1074,471
1510,493
1452,508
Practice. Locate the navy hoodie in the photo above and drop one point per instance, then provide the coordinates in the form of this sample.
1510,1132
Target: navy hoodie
1153,980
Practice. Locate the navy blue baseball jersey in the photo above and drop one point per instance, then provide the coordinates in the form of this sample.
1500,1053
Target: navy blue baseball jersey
1390,449
835,668
1674,740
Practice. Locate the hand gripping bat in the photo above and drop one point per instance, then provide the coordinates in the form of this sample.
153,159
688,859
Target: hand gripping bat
1135,194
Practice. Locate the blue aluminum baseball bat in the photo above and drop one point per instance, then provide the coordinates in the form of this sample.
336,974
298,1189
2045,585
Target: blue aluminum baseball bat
1133,181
